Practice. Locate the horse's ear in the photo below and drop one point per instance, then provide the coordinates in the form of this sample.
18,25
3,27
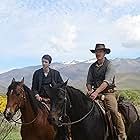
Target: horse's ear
65,83
13,80
22,81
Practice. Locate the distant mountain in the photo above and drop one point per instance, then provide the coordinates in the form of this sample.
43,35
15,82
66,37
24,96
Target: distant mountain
128,73
127,65
72,62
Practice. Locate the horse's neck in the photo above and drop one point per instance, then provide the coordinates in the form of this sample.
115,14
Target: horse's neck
80,104
27,112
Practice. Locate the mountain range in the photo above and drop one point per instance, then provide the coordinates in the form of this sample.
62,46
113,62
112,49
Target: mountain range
128,73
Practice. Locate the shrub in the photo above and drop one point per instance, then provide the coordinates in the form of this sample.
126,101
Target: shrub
131,95
3,102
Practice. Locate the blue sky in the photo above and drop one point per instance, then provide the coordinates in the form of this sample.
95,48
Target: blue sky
66,30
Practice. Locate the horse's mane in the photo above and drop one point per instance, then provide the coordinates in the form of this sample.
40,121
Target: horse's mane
35,104
78,93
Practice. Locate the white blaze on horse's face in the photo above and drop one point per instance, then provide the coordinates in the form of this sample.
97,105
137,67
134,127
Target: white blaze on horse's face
11,92
7,111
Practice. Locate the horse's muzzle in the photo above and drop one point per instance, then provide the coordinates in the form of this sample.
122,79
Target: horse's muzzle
53,120
8,114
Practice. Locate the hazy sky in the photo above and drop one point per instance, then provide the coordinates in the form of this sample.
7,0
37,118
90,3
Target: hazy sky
66,29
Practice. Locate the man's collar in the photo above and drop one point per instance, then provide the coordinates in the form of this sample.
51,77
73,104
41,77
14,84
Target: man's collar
99,65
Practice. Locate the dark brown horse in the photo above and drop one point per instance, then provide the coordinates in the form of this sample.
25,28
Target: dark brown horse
35,125
87,120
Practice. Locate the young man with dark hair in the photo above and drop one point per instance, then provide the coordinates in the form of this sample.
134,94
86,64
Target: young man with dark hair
44,78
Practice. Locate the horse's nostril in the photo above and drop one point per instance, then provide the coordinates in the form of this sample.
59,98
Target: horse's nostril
7,114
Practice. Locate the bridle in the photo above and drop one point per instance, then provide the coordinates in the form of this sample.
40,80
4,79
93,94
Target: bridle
66,99
24,123
24,99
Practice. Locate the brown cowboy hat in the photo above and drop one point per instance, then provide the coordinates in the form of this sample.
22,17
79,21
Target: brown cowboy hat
101,47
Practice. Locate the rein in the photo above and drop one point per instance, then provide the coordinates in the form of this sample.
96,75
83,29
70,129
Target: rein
74,122
65,114
25,123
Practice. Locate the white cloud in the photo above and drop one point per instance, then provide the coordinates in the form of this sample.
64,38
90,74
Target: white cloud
65,41
128,29
120,2
66,29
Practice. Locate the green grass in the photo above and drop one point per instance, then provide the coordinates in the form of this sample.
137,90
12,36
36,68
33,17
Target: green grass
14,135
131,95
6,127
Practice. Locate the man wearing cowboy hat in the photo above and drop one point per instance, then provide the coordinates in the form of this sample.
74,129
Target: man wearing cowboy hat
100,79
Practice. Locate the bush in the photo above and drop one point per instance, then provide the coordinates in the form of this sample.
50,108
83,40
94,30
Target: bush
131,95
3,102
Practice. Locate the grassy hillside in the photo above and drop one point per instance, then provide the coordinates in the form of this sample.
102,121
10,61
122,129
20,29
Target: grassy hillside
131,95
128,81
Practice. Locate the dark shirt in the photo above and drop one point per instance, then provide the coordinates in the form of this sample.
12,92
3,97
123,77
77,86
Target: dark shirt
40,82
99,73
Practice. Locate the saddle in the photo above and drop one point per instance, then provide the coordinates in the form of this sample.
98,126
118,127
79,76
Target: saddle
46,103
126,108
110,128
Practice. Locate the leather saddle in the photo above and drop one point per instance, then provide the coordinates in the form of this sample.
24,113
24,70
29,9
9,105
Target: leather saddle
127,110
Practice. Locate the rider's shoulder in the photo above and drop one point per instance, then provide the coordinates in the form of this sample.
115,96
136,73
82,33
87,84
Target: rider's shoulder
93,65
38,71
54,70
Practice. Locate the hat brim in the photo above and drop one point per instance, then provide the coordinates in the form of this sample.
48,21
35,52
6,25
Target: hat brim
107,51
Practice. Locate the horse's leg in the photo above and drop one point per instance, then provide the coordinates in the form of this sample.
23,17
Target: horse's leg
62,133
57,136
134,131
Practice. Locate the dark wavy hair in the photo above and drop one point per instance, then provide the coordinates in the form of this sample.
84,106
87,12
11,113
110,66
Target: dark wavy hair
47,57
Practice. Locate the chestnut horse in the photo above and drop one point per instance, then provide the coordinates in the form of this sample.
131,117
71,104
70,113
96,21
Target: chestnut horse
35,125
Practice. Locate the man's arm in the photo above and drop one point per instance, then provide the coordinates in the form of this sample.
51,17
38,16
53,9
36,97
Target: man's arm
35,86
35,83
101,88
